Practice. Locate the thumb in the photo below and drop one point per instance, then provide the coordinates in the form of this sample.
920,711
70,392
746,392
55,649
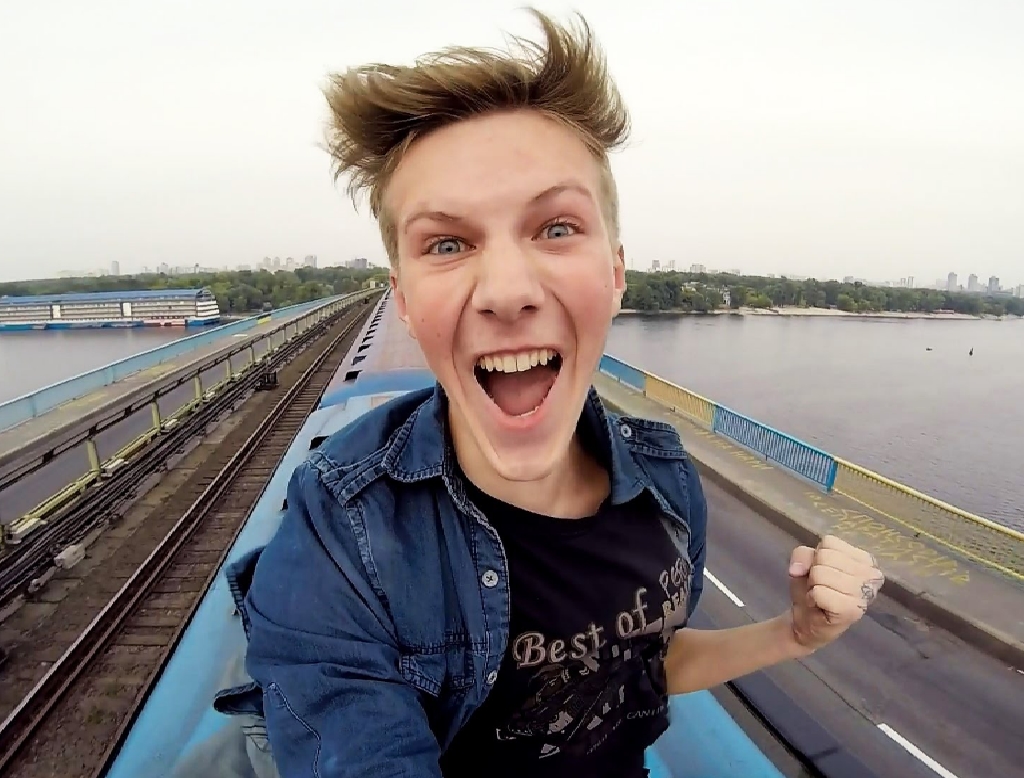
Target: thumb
800,561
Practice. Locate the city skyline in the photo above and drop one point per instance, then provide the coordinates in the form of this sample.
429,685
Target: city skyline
992,285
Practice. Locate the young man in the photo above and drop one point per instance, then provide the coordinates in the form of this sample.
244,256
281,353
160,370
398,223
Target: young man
494,577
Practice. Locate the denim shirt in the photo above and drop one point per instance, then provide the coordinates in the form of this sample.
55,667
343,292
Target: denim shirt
378,615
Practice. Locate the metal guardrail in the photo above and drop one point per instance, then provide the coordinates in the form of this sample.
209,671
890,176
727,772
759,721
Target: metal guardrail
789,452
161,422
689,404
796,456
14,412
976,537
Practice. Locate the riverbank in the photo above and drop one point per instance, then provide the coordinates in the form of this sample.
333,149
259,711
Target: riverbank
820,313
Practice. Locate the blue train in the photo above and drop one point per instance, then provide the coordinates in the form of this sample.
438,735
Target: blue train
179,734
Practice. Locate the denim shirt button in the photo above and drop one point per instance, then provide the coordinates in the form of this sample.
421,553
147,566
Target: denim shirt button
492,677
626,432
490,579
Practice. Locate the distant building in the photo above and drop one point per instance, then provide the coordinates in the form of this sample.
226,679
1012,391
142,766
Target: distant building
655,265
972,283
698,268
74,310
115,268
358,263
309,261
951,285
993,284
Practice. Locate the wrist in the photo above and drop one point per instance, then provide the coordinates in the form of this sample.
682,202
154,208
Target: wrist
789,641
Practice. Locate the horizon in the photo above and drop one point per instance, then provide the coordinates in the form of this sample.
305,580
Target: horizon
848,280
828,140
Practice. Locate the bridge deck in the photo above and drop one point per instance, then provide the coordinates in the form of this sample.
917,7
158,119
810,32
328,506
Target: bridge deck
932,577
57,424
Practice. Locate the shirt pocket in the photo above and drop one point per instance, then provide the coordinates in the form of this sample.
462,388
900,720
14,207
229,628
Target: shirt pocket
439,670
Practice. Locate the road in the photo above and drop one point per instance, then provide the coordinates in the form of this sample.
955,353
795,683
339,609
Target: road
891,685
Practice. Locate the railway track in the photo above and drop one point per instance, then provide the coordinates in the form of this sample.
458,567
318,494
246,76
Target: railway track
74,718
21,564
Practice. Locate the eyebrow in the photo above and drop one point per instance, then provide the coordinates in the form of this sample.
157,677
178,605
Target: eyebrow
547,194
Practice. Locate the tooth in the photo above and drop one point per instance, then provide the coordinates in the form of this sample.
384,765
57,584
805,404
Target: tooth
508,363
488,363
534,358
544,356
522,362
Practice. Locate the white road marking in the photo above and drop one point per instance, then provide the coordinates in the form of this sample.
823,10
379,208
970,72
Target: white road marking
723,589
916,752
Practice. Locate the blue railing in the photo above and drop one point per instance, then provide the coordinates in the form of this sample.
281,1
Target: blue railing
791,453
620,371
49,397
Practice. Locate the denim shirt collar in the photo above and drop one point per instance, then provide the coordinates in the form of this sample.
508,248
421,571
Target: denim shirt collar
422,449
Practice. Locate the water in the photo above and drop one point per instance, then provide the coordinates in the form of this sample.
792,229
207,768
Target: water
867,390
946,423
34,359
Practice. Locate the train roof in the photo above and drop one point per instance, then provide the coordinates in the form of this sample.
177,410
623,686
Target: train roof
178,734
95,297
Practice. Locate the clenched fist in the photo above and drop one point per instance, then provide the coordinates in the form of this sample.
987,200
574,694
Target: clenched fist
831,587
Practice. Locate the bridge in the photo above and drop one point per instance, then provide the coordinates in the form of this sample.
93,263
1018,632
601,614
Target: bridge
931,683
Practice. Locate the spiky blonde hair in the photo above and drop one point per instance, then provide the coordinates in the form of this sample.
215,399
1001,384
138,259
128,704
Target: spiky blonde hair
377,111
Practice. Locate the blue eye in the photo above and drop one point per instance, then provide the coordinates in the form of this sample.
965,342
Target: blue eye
446,246
558,230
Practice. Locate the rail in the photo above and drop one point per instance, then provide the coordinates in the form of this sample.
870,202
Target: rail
976,537
225,503
29,406
147,420
794,455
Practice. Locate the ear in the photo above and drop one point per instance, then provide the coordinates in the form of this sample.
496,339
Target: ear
619,282
400,301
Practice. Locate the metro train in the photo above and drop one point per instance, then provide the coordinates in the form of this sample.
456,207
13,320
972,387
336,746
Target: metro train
178,733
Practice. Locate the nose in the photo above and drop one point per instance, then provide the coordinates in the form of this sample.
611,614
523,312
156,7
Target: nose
507,283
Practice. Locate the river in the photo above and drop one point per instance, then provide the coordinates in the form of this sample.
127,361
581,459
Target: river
868,390
33,359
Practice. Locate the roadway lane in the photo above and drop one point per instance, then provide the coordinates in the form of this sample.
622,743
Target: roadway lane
929,690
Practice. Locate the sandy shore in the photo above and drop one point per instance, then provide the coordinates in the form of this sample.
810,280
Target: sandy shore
819,312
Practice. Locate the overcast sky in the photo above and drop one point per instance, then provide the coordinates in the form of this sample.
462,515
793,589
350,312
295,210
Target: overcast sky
875,138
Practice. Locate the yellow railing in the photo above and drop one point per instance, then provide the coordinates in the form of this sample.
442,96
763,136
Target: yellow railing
689,404
973,536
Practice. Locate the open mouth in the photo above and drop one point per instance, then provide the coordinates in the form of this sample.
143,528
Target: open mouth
518,383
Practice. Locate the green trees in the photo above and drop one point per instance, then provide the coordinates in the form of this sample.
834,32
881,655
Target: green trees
247,291
238,292
703,292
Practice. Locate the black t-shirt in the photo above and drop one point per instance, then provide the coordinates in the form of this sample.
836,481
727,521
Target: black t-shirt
581,690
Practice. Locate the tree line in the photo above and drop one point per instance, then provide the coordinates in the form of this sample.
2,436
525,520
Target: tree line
248,291
238,292
704,292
